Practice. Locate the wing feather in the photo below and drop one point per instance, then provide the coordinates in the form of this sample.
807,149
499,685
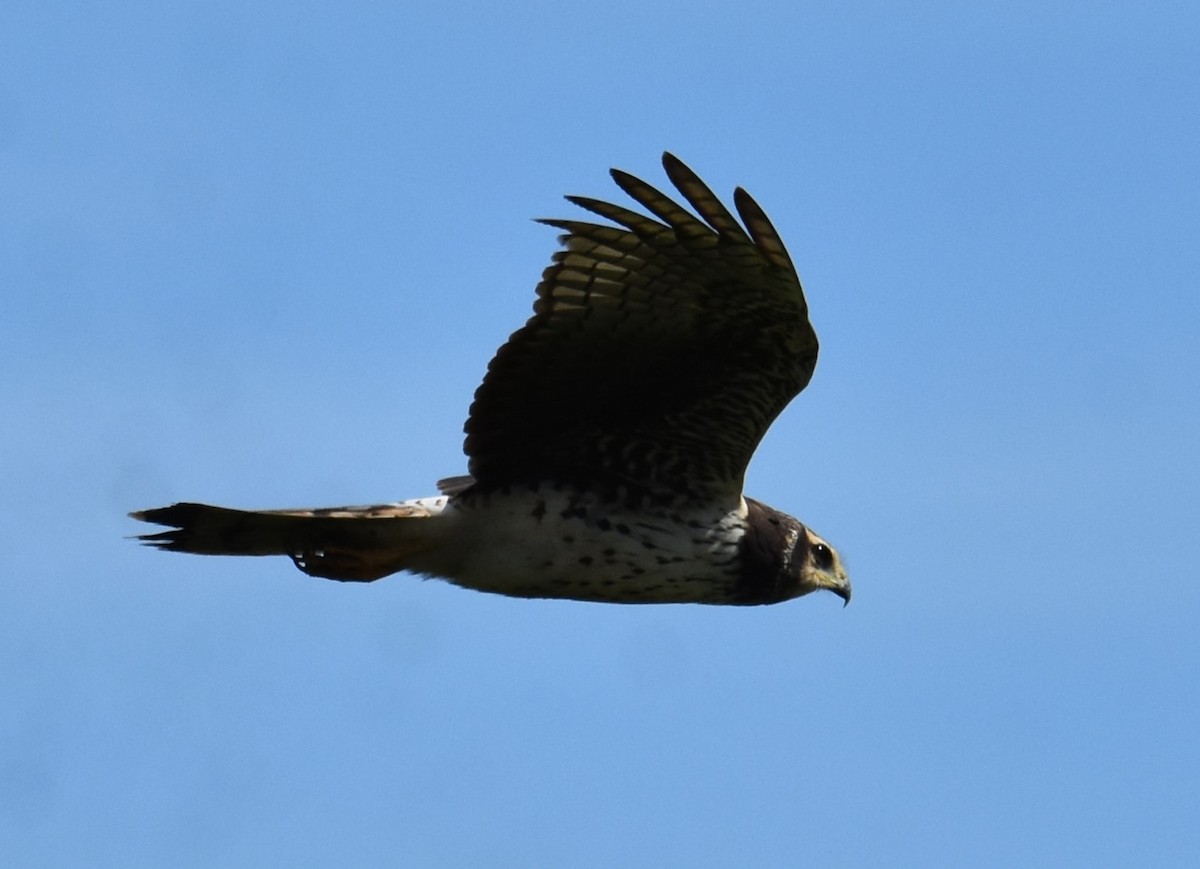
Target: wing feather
659,352
703,199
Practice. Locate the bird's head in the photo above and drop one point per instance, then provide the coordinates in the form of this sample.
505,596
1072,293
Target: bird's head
782,558
819,566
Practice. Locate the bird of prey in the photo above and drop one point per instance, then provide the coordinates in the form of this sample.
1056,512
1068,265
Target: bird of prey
608,442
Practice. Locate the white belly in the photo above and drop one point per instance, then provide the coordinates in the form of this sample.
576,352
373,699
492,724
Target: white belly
545,544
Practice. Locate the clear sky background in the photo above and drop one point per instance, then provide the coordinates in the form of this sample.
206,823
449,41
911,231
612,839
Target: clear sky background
260,255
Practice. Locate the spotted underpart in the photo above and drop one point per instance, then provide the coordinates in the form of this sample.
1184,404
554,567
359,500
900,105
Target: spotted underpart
575,546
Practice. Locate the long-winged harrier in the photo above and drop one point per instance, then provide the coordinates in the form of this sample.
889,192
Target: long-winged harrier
609,439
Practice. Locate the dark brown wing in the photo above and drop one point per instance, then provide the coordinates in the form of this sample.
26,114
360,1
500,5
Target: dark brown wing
657,356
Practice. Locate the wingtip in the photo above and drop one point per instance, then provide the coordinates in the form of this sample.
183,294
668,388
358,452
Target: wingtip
676,169
669,161
622,178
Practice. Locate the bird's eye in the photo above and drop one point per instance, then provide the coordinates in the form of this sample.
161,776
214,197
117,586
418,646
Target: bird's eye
822,556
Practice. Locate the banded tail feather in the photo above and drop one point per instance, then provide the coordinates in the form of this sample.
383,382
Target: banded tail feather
328,542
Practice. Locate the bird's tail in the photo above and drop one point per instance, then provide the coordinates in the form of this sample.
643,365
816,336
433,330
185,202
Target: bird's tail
358,544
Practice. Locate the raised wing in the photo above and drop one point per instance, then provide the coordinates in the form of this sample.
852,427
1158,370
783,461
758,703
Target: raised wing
659,352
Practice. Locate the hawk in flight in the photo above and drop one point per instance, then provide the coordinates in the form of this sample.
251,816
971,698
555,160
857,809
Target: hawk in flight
608,442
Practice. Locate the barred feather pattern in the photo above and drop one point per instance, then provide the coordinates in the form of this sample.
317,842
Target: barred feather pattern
659,352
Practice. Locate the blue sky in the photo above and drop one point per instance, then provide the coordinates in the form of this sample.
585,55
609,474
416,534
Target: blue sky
260,255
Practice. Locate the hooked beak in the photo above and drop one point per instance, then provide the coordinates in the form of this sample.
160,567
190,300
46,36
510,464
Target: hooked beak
842,590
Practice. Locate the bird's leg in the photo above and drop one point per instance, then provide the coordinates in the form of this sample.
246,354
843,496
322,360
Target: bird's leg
345,565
